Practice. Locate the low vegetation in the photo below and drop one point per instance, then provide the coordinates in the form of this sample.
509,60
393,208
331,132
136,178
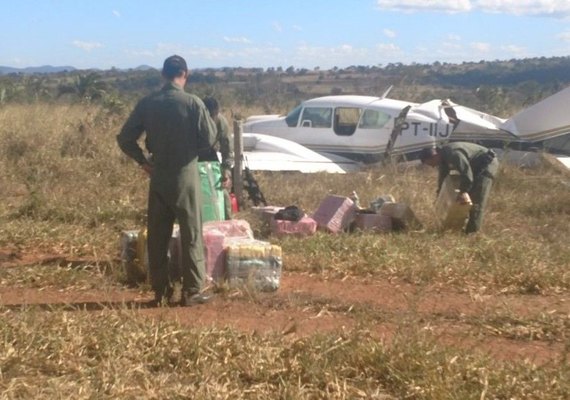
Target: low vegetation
67,193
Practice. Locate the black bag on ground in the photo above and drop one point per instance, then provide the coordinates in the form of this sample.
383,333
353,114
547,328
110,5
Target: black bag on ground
290,213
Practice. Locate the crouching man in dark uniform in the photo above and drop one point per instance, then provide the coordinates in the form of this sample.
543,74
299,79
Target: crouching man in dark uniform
177,126
477,167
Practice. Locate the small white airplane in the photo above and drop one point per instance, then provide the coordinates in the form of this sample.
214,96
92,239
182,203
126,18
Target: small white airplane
369,129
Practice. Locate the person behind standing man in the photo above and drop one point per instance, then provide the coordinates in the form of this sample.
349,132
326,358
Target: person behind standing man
477,167
224,144
177,126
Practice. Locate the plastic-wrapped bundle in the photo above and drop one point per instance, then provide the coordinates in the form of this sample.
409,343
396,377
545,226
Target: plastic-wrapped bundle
134,254
135,270
335,213
255,262
215,234
306,226
214,254
230,228
450,213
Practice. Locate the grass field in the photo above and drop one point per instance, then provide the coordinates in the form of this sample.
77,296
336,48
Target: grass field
413,315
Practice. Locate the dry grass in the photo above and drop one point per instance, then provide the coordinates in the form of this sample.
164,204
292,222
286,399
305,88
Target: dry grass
67,190
116,354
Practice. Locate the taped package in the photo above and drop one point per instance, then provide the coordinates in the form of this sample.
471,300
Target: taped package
253,262
335,213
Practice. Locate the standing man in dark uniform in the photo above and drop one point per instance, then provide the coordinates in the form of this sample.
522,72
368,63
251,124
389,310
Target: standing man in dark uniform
477,167
224,144
177,126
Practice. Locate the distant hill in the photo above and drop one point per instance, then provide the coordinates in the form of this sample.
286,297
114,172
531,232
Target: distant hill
143,68
48,69
44,69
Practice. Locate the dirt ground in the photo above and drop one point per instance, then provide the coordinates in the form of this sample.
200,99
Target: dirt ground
305,305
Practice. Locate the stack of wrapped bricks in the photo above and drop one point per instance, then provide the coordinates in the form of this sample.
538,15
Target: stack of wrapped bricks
253,262
233,253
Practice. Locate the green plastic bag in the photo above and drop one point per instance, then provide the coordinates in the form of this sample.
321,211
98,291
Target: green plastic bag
212,194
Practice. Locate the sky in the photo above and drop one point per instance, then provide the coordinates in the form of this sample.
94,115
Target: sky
276,33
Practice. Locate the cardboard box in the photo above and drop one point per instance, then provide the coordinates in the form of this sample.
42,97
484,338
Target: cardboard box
402,216
373,222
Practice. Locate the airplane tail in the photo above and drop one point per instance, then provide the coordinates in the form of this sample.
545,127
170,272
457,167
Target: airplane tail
547,122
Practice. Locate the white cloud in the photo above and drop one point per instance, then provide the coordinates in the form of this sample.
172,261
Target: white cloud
564,36
453,37
116,13
513,51
448,6
553,8
140,53
87,46
277,26
297,28
389,33
240,39
324,57
387,48
452,45
481,47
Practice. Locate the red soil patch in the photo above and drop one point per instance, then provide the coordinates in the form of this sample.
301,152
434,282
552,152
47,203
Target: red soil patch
305,305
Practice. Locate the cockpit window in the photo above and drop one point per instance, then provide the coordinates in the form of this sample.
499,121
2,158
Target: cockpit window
373,119
345,120
293,116
317,117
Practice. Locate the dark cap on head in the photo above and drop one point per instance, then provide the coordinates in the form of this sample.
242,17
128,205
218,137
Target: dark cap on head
173,67
427,153
211,104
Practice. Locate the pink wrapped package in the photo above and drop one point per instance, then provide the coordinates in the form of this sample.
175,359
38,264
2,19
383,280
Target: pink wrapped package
335,213
304,227
214,234
214,254
230,228
373,222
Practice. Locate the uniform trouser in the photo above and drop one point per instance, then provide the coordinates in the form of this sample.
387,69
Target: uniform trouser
479,194
164,207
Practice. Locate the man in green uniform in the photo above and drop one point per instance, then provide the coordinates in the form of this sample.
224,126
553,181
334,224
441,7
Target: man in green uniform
177,126
224,144
477,167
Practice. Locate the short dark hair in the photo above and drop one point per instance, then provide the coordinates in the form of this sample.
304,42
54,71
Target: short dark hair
211,104
173,67
427,153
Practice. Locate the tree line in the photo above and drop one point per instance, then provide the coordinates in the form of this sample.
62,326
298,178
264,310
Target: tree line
492,86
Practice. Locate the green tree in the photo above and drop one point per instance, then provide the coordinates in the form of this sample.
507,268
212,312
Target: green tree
88,87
